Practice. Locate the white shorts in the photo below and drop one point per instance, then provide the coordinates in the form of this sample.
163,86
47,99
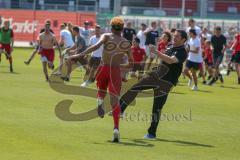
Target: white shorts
148,53
44,59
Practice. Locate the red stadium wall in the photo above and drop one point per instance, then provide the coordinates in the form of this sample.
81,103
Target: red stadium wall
26,24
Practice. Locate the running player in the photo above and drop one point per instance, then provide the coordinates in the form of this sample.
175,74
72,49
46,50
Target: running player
66,41
27,62
194,59
47,41
219,44
236,48
78,47
95,59
208,58
109,74
7,41
151,39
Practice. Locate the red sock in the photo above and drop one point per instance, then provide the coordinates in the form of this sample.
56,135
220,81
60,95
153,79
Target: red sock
116,115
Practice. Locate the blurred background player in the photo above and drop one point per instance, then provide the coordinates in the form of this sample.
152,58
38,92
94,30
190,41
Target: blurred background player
128,32
86,32
192,25
47,41
37,48
236,48
208,59
78,47
219,44
194,59
66,40
95,59
6,42
151,39
109,73
138,54
142,36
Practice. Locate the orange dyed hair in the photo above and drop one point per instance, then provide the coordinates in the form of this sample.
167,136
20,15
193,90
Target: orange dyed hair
117,21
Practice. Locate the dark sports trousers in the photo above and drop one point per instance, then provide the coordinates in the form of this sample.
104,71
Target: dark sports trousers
161,88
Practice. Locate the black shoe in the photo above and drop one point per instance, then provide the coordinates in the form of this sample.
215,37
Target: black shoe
239,80
228,72
221,78
204,82
213,80
209,77
101,111
11,69
65,79
27,62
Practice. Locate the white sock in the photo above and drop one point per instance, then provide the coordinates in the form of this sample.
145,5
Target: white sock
99,101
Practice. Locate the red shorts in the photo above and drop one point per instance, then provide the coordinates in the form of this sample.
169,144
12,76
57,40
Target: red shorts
109,77
48,53
6,47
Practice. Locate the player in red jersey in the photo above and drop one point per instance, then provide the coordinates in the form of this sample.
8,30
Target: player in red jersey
138,58
109,72
165,41
208,58
236,49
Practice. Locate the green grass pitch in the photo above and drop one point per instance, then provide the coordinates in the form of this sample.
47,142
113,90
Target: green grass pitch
30,130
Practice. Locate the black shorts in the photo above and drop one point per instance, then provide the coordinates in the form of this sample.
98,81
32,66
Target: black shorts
193,65
217,59
209,64
237,58
94,61
233,58
138,67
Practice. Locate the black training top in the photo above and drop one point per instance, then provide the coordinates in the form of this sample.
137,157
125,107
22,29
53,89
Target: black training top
151,37
128,33
218,43
175,69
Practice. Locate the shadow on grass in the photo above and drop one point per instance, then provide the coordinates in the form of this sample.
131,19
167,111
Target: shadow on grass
186,143
135,143
7,72
177,92
229,87
204,91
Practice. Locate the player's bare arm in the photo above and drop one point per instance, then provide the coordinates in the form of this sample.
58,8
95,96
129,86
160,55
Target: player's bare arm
89,49
130,60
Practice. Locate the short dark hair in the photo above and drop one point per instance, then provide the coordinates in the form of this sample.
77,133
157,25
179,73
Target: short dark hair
193,31
137,40
191,20
183,34
143,24
218,28
76,29
173,30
